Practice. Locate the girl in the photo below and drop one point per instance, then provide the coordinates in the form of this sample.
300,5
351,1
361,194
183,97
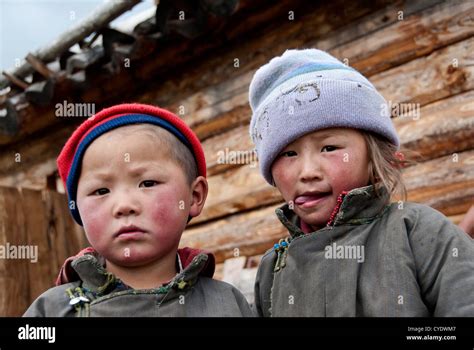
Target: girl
324,138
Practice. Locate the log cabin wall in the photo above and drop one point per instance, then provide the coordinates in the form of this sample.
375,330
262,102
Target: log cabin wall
419,55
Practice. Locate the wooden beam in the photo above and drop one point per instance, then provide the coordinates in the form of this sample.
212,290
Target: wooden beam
16,81
39,66
99,18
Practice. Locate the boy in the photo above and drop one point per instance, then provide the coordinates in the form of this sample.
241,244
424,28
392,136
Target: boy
135,175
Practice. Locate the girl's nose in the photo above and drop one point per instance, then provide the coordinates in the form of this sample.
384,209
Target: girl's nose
310,169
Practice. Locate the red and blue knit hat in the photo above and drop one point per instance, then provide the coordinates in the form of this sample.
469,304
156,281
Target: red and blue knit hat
70,159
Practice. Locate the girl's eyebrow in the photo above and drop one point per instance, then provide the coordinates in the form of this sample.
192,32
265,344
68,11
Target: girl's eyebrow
325,135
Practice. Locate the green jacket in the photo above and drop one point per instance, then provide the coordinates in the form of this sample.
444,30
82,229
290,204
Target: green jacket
96,292
376,259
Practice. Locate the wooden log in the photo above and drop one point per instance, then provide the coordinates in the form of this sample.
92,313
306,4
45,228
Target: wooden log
236,190
445,183
443,127
245,234
235,141
444,73
409,37
23,157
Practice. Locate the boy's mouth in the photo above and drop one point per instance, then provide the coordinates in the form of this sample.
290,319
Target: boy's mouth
310,199
129,232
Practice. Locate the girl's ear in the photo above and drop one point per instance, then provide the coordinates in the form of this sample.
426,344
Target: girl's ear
199,189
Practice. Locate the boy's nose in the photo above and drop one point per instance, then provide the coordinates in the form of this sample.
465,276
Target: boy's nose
125,207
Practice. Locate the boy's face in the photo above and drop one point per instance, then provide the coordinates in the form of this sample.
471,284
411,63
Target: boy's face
134,199
313,170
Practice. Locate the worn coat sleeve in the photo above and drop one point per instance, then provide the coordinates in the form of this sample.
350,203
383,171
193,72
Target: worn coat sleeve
263,285
444,258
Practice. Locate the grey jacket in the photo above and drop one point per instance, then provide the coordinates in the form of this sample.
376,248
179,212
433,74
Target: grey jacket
100,293
377,259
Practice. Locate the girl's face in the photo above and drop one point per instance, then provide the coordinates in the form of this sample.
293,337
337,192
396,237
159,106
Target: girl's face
313,170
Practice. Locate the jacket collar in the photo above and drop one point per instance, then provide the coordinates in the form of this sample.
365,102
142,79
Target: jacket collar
359,206
88,266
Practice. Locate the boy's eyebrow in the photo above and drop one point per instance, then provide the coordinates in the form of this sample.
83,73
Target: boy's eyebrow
138,170
99,175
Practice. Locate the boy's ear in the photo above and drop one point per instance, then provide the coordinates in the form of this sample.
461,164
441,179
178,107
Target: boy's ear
199,189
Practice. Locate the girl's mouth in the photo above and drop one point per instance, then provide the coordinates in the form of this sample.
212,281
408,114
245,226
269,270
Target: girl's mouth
308,200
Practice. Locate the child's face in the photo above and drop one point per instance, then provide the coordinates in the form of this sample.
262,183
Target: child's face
129,182
313,170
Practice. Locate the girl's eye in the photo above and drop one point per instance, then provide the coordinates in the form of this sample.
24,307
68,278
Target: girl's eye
148,183
100,192
288,154
328,148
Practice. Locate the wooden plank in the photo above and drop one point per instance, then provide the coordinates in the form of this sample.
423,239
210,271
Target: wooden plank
38,219
29,163
14,276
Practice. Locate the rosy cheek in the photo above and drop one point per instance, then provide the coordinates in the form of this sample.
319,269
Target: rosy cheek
167,211
284,178
93,218
346,176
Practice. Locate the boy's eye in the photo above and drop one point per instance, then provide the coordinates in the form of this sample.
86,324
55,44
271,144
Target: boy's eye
328,148
288,154
148,183
100,192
